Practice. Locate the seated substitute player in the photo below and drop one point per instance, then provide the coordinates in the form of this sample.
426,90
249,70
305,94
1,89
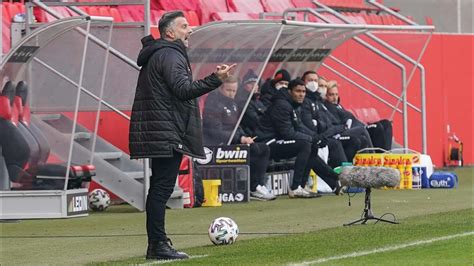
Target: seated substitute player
318,118
255,109
380,132
283,130
272,86
220,116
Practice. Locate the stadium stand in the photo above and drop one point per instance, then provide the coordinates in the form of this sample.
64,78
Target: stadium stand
232,16
245,6
303,3
277,5
210,7
186,5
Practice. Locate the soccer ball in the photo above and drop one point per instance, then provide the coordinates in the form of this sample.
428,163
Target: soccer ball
223,231
99,199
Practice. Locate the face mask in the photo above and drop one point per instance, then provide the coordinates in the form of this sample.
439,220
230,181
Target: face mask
312,86
322,91
280,86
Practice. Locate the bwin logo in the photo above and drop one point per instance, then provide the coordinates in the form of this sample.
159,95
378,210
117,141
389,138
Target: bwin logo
231,154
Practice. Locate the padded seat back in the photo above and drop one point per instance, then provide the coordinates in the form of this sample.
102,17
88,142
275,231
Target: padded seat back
15,149
37,142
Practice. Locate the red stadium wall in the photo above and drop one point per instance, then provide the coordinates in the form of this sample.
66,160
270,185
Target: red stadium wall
449,83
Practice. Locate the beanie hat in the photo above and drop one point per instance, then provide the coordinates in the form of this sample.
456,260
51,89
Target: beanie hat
250,76
280,75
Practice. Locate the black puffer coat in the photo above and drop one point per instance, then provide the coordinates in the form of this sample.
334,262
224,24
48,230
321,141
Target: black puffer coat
282,120
314,109
165,114
220,116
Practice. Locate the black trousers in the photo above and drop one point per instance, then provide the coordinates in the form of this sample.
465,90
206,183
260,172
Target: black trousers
162,182
321,168
381,134
336,152
286,149
351,145
259,160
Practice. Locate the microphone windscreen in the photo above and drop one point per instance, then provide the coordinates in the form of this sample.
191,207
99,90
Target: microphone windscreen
369,176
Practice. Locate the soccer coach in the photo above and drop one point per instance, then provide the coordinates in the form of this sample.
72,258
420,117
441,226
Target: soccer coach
165,121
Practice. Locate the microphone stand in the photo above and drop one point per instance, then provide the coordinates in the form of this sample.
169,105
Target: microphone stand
368,215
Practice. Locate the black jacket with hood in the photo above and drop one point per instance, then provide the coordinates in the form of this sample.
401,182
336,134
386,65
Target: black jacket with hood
220,115
314,109
165,114
283,120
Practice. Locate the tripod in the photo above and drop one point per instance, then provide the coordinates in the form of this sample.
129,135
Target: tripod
368,215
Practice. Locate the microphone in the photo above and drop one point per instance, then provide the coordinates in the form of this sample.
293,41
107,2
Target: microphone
369,176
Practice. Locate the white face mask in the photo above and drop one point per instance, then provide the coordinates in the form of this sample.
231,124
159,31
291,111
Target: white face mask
280,86
322,91
312,86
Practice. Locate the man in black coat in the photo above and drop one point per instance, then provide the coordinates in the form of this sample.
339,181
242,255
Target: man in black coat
380,131
287,136
318,118
270,87
165,121
220,117
255,109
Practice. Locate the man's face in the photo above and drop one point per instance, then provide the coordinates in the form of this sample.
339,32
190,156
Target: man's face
332,95
229,89
298,93
311,77
322,83
180,31
249,87
281,84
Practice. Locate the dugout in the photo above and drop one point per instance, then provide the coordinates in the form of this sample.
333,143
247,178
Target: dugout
46,153
67,85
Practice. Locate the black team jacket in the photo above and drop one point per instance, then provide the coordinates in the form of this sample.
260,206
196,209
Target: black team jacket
282,120
165,114
220,116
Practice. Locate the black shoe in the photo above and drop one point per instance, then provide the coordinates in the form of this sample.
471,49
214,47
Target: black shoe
339,189
163,250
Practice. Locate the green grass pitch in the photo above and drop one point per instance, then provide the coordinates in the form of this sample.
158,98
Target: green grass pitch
436,229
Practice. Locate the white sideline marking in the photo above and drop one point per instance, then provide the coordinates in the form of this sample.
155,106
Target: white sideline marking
378,250
170,261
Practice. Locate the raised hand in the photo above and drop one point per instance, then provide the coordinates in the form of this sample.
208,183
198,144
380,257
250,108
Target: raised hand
223,71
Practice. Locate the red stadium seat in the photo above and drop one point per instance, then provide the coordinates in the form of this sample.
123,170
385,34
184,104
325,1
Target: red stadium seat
21,7
303,3
115,14
333,19
5,37
156,15
245,6
208,7
125,14
367,115
192,18
12,9
93,11
135,13
276,5
185,5
104,11
232,16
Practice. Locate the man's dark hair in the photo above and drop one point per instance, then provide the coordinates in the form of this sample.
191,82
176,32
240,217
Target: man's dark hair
166,20
308,73
295,83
